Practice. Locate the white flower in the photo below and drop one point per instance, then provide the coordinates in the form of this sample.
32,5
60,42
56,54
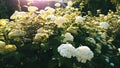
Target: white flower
68,36
70,3
66,50
51,17
49,10
57,4
79,19
83,53
112,64
32,8
59,21
119,50
104,25
19,15
42,11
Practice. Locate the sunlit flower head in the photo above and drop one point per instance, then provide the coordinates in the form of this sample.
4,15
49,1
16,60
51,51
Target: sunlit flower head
10,48
16,33
104,25
57,5
66,50
68,37
19,15
51,17
59,21
49,10
41,37
32,8
79,19
70,3
3,22
83,53
2,44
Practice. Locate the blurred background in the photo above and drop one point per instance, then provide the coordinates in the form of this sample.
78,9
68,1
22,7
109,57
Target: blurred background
7,7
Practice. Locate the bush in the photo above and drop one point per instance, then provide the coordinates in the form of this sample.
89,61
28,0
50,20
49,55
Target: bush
59,38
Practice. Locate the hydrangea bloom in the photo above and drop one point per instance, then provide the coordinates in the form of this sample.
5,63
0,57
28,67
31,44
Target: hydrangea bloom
83,53
49,10
79,19
10,48
119,50
32,8
41,37
104,25
51,17
70,3
16,33
57,4
66,50
68,36
19,15
59,21
3,22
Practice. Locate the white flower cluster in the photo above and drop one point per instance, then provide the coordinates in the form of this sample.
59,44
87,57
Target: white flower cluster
119,50
70,3
82,53
32,8
57,4
79,19
51,17
59,21
16,33
68,37
104,25
66,50
19,15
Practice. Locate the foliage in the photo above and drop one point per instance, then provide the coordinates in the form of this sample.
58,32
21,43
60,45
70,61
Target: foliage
3,9
59,38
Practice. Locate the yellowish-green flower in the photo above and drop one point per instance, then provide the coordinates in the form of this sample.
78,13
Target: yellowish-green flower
16,33
79,19
10,48
3,22
59,21
49,10
57,4
32,8
41,37
73,30
2,45
19,15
